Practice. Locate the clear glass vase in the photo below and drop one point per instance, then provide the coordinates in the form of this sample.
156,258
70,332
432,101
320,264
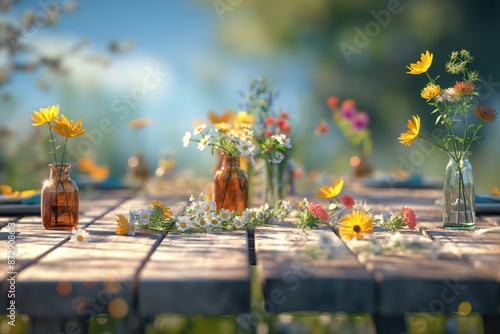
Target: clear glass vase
231,185
458,193
59,199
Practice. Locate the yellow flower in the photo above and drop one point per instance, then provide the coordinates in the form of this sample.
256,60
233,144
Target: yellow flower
495,191
243,120
354,224
431,91
45,115
67,128
6,190
409,136
422,65
331,192
155,204
122,227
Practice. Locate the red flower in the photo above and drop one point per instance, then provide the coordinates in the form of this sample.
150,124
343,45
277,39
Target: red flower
409,217
322,128
268,133
347,201
332,101
285,127
284,115
269,120
318,211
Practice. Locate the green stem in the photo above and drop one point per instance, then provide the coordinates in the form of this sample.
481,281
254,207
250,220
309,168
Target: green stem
53,143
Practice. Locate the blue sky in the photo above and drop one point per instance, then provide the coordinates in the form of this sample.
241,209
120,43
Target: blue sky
176,38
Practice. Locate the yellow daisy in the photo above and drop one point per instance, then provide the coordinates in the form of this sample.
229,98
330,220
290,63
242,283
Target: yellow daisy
332,191
409,136
67,128
45,115
422,65
354,224
155,204
122,227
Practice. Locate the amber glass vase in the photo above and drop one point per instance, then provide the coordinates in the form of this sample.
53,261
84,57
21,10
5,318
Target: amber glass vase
231,185
59,199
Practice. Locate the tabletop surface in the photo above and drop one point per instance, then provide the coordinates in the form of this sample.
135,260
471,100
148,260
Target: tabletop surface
152,272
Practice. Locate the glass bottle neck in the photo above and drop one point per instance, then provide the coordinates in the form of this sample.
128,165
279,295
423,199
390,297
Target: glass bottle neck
229,162
59,172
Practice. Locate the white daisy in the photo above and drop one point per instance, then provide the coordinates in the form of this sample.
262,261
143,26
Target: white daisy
199,128
183,223
224,214
79,236
204,142
249,214
246,148
202,222
207,207
239,221
131,228
282,139
144,215
213,220
278,157
287,205
186,139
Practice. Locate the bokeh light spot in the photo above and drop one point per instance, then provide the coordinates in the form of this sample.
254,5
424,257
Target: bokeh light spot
355,161
64,288
112,286
465,308
118,308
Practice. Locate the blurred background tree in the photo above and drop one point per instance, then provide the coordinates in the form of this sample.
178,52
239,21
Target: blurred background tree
360,49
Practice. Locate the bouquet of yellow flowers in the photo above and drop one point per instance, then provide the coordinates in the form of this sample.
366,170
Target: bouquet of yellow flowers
59,124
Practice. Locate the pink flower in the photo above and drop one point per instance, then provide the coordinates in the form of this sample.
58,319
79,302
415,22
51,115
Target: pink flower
347,201
348,111
360,121
409,217
318,211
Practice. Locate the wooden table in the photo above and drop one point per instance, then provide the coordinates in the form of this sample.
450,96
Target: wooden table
60,285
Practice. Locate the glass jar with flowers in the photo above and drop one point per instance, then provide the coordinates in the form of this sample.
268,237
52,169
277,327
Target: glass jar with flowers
59,195
278,176
456,111
232,141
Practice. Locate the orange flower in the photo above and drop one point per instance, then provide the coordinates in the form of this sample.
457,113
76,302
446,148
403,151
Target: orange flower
332,101
224,118
139,123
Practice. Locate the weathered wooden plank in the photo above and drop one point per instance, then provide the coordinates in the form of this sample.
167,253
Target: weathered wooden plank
197,274
82,280
293,281
417,281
